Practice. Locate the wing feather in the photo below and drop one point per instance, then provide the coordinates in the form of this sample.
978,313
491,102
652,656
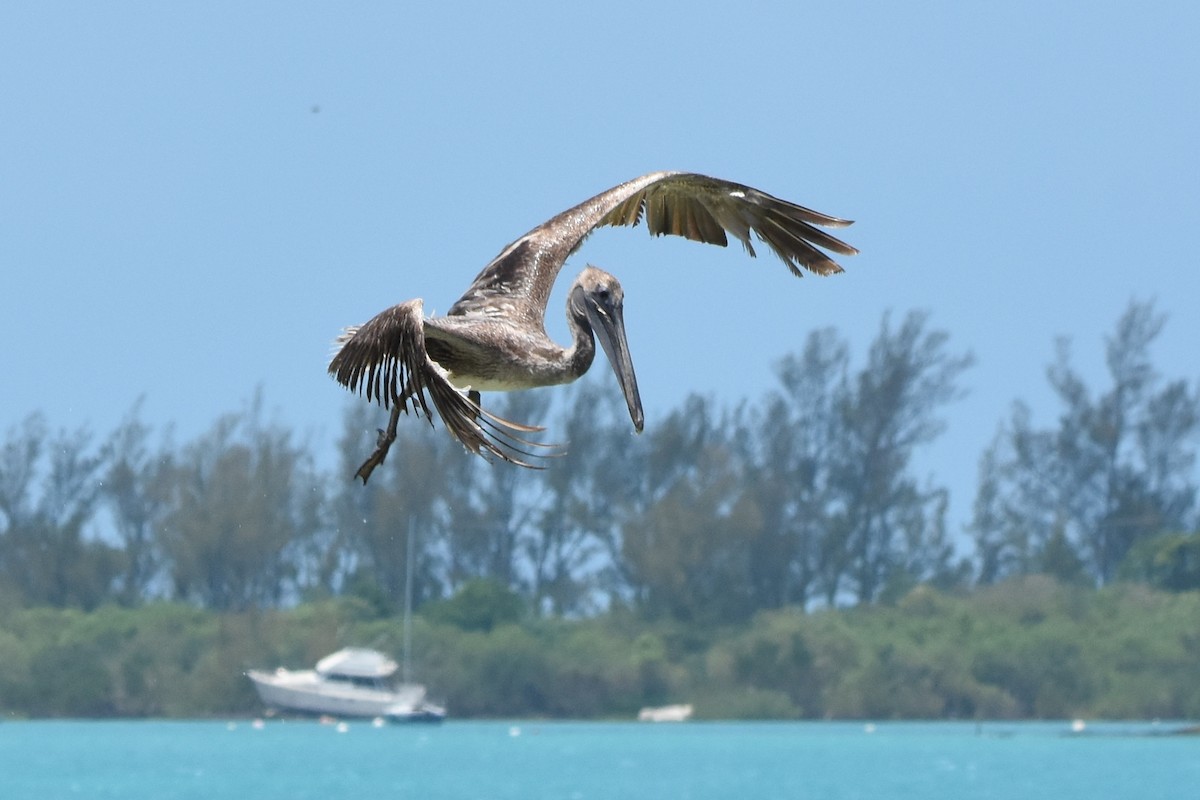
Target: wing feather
685,204
671,206
386,361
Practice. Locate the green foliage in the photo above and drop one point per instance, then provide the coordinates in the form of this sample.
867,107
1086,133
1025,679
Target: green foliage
241,505
1078,499
45,555
1170,561
480,604
1026,648
688,555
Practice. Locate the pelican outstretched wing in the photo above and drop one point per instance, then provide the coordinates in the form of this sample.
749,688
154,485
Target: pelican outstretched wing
385,360
518,282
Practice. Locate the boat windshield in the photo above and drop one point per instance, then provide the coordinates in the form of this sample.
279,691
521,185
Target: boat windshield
357,680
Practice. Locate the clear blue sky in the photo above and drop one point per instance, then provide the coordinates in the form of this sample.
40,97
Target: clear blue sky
196,197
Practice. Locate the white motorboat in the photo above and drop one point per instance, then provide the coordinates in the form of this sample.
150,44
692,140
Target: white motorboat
352,682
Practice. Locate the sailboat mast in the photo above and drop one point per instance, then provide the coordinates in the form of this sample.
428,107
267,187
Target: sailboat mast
408,568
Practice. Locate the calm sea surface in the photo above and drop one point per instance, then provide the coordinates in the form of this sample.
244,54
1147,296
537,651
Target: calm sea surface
580,761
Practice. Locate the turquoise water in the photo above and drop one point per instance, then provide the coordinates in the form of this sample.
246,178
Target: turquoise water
295,760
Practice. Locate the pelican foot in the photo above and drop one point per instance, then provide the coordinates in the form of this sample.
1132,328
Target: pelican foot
383,443
377,458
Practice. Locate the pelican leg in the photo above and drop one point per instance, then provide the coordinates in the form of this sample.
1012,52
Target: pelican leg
382,444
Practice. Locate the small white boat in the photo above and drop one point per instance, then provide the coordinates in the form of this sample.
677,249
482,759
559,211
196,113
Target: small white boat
349,683
676,713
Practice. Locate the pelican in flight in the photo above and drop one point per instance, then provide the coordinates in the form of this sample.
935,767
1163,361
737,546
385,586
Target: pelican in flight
494,338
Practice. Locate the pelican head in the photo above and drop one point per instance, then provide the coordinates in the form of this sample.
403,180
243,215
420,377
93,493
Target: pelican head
600,298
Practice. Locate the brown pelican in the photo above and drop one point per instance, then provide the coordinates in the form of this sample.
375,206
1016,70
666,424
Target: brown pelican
494,338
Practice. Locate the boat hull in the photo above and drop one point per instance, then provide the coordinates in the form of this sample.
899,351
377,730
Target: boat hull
307,692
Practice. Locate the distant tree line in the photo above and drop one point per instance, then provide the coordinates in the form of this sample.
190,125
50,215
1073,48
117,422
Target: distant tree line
1029,647
805,497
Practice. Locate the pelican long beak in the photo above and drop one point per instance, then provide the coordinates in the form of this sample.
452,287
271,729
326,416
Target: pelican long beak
609,325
